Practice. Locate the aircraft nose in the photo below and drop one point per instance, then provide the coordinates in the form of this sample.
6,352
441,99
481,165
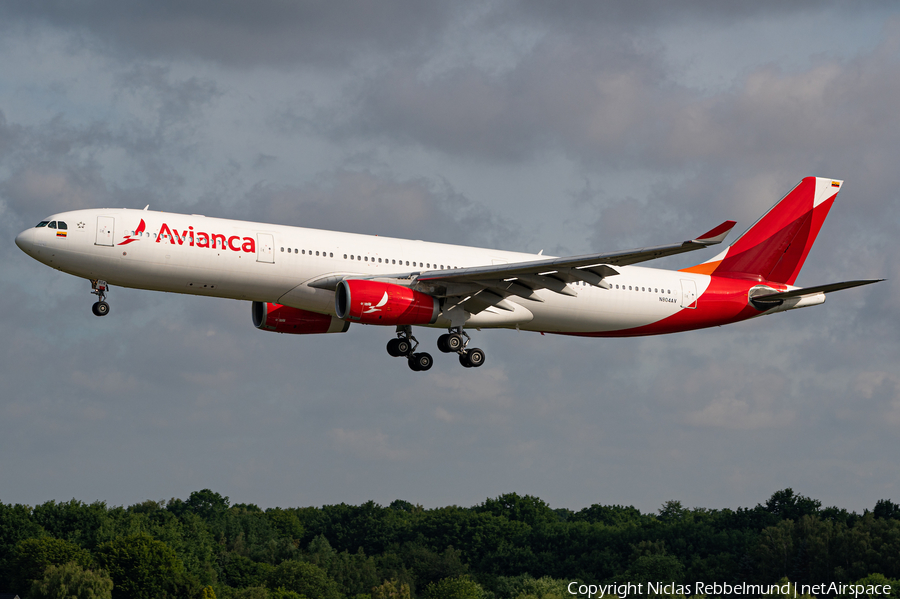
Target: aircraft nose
25,240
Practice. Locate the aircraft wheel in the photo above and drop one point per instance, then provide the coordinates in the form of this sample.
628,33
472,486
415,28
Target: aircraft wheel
100,309
442,343
475,357
403,347
393,349
454,342
464,360
421,362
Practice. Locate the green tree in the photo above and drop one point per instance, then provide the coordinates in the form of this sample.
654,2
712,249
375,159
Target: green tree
282,593
391,589
788,506
72,520
303,578
71,581
143,568
286,523
885,508
527,587
528,509
610,515
30,558
457,587
774,551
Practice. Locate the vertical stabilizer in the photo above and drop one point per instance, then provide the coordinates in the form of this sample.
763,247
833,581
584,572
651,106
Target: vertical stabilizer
776,246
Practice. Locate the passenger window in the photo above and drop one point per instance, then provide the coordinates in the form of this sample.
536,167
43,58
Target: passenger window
379,261
289,250
331,254
282,249
393,262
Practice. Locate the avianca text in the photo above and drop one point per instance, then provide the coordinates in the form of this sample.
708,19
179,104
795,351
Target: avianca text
201,239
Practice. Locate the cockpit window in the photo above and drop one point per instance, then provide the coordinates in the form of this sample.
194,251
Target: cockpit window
61,225
43,223
52,225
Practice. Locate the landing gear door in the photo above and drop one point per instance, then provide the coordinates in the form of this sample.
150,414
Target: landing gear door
688,294
105,230
265,248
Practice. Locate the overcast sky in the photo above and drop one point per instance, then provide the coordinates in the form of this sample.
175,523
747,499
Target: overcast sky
569,127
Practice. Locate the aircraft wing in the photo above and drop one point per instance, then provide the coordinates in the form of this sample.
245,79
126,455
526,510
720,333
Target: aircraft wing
478,288
562,268
481,287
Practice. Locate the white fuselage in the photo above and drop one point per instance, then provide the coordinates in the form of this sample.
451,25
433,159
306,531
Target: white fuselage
274,263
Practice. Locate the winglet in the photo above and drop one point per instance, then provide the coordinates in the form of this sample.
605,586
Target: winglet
716,235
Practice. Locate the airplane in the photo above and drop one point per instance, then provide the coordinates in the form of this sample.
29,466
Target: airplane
309,281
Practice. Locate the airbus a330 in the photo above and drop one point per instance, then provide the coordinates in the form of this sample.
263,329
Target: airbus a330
309,281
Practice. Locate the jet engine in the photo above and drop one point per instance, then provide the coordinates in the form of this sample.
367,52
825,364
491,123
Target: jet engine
375,302
284,319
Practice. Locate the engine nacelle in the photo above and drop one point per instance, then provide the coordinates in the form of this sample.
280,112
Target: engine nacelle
374,302
284,319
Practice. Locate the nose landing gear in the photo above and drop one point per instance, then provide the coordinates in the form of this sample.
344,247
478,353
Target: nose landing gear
100,308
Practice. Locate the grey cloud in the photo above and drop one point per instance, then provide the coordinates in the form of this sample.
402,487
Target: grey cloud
592,100
238,33
173,102
362,202
332,34
172,393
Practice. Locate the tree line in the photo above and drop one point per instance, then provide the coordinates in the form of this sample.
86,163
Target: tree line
509,547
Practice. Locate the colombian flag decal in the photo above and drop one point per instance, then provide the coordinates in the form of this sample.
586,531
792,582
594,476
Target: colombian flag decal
60,233
835,184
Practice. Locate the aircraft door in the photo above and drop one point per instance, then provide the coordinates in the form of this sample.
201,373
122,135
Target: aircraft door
688,293
265,248
105,230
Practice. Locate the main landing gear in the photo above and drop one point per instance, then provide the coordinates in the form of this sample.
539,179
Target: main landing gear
453,343
100,308
405,346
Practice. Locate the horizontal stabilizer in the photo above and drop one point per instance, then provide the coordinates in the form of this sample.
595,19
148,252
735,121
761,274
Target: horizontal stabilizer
782,295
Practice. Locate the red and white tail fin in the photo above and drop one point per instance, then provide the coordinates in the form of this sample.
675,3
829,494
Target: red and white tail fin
776,246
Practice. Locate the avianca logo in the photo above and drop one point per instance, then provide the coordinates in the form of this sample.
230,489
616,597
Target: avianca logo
137,232
198,239
377,307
